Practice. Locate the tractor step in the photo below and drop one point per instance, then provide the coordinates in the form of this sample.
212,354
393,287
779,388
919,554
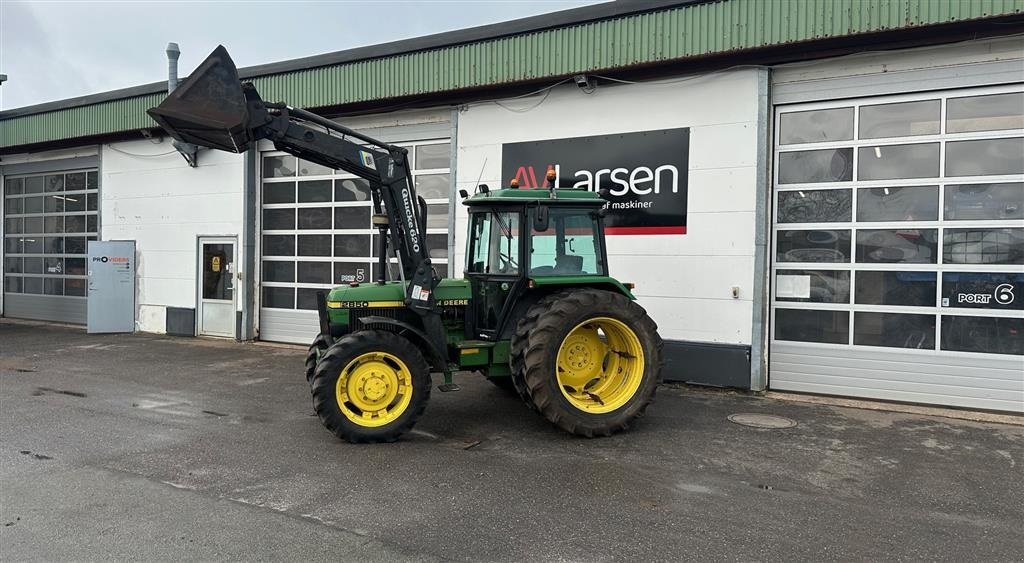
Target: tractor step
448,387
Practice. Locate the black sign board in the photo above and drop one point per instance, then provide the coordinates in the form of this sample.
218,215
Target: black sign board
983,290
645,173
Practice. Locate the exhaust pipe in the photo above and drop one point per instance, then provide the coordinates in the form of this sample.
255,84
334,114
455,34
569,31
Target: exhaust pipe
189,151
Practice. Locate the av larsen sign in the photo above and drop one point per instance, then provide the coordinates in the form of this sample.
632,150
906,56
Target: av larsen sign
645,173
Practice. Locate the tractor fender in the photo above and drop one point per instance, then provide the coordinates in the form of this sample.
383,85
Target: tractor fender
437,357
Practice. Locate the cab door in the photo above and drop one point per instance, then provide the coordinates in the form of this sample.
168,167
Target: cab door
493,268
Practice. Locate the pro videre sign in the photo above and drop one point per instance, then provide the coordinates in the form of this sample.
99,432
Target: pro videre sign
645,173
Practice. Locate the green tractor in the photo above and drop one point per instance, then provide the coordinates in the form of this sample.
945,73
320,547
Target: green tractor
537,314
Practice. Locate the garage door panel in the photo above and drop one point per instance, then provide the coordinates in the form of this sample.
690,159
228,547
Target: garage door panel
873,218
296,327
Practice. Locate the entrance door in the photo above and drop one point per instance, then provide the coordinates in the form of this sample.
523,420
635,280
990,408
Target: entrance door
216,315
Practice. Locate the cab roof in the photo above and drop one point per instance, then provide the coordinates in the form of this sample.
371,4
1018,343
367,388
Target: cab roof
562,196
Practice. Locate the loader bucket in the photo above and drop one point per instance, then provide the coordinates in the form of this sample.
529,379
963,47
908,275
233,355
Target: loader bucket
208,108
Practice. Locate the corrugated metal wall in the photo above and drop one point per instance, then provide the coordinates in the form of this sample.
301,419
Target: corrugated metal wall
667,35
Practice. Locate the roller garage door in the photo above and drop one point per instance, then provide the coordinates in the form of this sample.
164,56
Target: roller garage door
48,220
898,246
316,232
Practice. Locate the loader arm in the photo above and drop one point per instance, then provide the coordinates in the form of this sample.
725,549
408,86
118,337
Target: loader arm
214,109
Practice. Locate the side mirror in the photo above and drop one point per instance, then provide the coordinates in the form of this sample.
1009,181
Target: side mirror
540,219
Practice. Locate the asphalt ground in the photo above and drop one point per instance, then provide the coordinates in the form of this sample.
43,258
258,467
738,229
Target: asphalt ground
156,448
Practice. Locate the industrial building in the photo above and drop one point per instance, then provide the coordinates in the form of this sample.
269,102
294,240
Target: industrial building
813,196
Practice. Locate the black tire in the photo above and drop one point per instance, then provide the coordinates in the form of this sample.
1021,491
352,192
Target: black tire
517,348
338,357
553,324
316,350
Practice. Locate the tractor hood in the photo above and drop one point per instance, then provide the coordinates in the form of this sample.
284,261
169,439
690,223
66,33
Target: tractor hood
392,294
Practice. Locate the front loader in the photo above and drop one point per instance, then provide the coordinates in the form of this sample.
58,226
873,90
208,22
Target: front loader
537,312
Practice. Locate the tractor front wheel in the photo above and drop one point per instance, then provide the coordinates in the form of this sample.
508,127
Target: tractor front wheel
316,349
371,386
592,361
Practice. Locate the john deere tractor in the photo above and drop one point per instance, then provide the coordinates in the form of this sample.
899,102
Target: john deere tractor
537,313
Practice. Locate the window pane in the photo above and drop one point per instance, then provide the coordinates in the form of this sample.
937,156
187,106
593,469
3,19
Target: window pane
13,265
352,217
279,297
14,226
33,285
437,245
983,246
983,290
14,205
276,271
75,266
74,181
812,286
974,202
315,217
14,245
815,206
307,168
892,162
278,219
994,112
33,265
315,192
53,204
898,204
894,330
74,245
54,182
12,284
433,156
278,166
832,327
74,223
314,272
53,286
992,335
437,216
14,186
279,193
90,202
53,245
91,180
34,205
900,119
53,224
348,272
314,245
915,246
816,126
90,223
307,298
828,165
75,202
279,245
33,245
34,185
433,186
74,287
813,246
351,189
985,157
352,246
896,288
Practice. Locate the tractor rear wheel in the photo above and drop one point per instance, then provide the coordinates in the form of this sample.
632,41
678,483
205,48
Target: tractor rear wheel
316,349
592,361
371,386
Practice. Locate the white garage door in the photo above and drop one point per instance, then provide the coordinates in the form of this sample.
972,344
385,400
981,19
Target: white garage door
899,248
316,233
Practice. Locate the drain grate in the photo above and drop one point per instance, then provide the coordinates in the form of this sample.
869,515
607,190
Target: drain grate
755,420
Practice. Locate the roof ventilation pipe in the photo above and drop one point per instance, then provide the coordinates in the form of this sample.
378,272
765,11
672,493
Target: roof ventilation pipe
187,150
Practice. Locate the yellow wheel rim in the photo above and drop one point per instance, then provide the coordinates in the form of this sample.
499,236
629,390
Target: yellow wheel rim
600,365
374,389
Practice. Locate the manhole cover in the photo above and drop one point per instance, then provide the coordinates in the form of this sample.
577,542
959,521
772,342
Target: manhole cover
762,420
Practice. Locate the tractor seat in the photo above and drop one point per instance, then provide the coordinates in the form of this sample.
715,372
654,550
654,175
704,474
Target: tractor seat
568,264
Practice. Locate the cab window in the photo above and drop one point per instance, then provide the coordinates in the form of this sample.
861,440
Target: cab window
493,243
571,245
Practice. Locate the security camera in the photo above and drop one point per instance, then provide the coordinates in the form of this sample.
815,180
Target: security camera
584,82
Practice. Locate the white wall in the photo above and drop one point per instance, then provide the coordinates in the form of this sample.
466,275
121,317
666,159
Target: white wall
157,200
684,281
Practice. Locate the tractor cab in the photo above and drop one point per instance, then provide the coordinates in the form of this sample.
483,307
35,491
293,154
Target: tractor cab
526,240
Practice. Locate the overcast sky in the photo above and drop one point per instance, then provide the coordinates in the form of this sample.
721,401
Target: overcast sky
56,50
